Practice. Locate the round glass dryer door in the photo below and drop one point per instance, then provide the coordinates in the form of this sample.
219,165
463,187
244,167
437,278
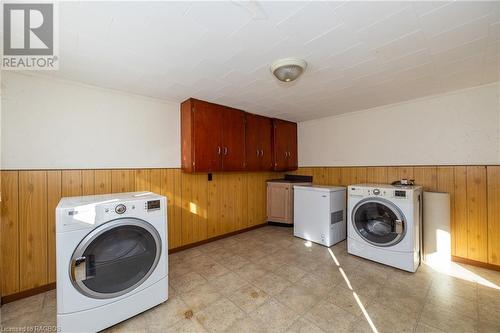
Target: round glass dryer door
115,258
379,222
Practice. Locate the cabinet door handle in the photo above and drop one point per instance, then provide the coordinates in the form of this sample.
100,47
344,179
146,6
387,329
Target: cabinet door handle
225,150
261,152
218,150
257,152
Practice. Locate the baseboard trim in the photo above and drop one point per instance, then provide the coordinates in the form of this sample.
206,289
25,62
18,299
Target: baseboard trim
208,240
41,289
475,263
27,293
280,224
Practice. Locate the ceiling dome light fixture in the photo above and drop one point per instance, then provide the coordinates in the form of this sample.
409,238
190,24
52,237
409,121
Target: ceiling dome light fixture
288,69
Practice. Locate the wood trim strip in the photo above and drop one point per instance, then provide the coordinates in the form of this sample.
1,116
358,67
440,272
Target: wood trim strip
212,239
475,263
27,293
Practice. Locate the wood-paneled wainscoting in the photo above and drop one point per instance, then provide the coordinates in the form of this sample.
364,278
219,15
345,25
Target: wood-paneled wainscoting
198,210
475,201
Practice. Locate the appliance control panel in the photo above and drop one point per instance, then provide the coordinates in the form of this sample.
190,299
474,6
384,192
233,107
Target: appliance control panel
400,193
81,215
129,207
357,191
120,209
152,205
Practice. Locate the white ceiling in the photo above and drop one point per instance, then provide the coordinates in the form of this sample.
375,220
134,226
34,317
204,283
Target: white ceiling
360,54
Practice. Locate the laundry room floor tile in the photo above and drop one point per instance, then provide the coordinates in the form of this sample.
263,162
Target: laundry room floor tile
220,315
249,298
266,280
298,298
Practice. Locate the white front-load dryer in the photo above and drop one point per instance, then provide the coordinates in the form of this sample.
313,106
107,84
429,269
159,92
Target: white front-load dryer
384,224
111,258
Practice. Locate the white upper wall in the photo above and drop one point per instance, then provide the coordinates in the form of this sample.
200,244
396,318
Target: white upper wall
462,127
49,123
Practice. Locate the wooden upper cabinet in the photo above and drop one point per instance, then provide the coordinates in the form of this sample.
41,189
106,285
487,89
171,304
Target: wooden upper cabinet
212,136
285,145
219,138
233,140
259,143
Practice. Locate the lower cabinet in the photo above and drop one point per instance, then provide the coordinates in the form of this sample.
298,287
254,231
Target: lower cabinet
280,201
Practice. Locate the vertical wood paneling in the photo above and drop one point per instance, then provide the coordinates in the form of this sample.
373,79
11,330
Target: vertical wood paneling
406,172
398,173
122,181
303,172
53,196
376,175
199,209
334,176
493,215
194,207
361,175
426,177
200,205
71,183
213,206
320,176
10,233
88,182
32,229
256,198
155,180
392,174
445,182
224,204
347,176
477,232
460,211
353,175
171,188
142,180
187,214
238,184
102,181
227,209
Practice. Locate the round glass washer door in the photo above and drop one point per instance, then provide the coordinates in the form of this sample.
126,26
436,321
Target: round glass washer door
379,222
115,258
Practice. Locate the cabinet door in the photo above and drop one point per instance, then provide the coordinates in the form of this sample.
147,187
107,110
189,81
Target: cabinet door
278,202
253,142
280,145
259,143
292,162
266,143
207,123
233,132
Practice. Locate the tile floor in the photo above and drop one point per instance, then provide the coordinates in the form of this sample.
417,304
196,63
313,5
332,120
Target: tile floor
266,280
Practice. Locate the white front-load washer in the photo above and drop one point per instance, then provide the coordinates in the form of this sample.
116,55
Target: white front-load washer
385,223
112,260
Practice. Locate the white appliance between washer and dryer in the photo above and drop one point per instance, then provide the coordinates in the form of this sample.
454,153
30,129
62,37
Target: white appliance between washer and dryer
112,258
319,214
385,224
